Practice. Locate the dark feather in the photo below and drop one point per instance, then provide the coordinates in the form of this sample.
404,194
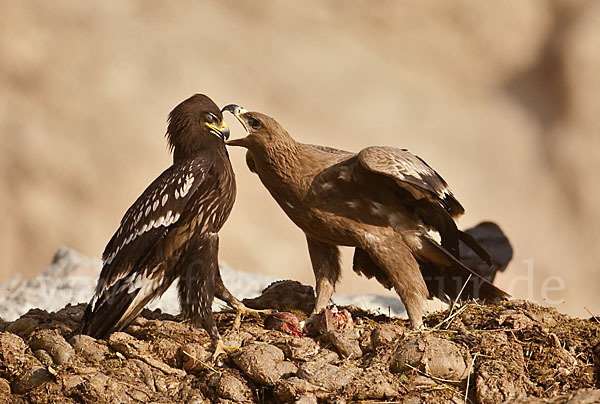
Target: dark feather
446,276
128,255
494,241
120,304
363,264
475,247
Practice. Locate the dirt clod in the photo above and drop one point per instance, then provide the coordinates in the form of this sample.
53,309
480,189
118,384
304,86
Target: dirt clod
232,388
52,342
44,357
330,377
345,342
301,349
30,379
579,397
307,399
435,357
374,384
89,348
22,326
4,387
194,357
263,363
385,334
293,388
132,348
13,356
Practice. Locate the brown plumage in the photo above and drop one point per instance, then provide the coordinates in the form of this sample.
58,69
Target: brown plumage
382,201
171,231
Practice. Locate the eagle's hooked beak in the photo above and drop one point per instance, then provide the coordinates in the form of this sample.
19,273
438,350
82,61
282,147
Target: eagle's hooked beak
237,111
220,131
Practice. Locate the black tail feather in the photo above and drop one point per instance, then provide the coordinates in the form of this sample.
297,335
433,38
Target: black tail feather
449,279
113,310
108,311
444,224
474,245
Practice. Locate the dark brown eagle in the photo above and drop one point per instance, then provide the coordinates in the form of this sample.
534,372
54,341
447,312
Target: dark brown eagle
383,201
495,242
171,231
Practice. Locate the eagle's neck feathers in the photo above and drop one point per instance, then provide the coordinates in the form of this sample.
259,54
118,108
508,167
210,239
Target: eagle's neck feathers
193,144
288,169
282,159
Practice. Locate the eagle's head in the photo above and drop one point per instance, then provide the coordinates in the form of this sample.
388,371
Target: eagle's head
264,132
195,124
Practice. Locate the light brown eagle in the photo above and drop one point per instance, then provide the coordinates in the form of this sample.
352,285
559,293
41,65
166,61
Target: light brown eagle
383,201
171,231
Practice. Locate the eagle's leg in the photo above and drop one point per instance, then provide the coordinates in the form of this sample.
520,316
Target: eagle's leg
221,292
196,289
197,286
394,258
325,259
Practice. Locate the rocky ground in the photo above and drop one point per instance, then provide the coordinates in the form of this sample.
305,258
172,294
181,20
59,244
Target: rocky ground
477,354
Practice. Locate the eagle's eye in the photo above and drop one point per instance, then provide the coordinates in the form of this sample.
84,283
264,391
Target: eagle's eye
210,118
253,122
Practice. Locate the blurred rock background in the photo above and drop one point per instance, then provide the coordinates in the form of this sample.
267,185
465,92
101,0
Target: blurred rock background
502,98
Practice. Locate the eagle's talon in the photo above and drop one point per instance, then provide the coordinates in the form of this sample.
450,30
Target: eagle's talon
221,348
245,311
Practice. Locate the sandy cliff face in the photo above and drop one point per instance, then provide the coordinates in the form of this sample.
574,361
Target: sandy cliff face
501,98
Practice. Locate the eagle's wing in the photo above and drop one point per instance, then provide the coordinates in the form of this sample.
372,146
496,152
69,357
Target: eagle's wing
153,215
133,260
411,173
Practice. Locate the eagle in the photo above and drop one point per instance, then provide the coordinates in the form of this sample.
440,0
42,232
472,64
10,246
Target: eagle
495,242
171,231
383,201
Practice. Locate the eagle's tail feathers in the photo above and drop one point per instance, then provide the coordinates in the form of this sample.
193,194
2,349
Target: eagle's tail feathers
445,275
474,245
116,307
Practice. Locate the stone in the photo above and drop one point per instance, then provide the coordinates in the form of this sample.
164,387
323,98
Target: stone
54,343
436,357
263,363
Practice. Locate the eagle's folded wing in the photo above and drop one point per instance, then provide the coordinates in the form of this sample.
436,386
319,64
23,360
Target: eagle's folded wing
152,216
411,173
